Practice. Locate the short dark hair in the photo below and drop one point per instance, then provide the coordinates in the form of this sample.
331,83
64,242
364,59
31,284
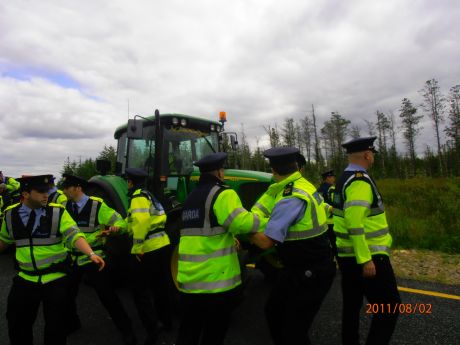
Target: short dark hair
286,168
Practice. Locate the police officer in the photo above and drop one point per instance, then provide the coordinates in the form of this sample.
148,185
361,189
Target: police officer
150,255
363,245
297,227
326,189
41,233
92,216
56,195
209,275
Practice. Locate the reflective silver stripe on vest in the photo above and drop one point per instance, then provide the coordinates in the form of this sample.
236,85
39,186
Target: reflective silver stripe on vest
233,215
156,235
55,221
211,285
318,197
92,219
316,230
263,209
372,249
204,257
9,225
304,234
140,210
337,212
206,230
363,203
46,261
217,230
368,235
70,231
255,223
113,219
39,241
155,212
356,231
137,241
207,206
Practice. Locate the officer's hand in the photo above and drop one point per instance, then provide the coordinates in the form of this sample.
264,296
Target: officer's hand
369,269
96,259
109,231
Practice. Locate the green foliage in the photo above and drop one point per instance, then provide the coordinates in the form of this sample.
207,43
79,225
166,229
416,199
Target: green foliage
423,212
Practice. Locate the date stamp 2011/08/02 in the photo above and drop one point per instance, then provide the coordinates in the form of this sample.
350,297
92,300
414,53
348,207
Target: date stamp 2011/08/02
401,308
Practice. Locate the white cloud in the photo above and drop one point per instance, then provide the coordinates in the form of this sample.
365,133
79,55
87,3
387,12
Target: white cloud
261,62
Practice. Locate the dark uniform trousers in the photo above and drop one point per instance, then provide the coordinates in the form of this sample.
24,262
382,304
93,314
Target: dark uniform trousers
150,275
294,301
100,281
23,303
206,317
380,289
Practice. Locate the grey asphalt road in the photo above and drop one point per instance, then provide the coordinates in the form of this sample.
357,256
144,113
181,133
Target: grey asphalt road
248,327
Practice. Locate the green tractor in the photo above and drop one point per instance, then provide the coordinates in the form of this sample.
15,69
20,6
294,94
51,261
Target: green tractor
166,146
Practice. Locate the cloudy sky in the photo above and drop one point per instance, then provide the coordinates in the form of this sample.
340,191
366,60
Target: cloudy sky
68,68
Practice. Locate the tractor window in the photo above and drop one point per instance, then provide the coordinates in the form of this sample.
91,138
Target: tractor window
141,153
183,146
121,150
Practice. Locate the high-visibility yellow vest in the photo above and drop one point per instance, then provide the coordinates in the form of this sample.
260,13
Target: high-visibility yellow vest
313,222
41,255
212,215
360,223
146,223
91,220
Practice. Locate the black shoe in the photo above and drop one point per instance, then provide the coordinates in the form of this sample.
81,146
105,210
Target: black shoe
129,339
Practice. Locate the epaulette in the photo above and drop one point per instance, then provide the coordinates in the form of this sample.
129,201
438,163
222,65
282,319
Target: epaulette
288,189
359,174
97,199
53,204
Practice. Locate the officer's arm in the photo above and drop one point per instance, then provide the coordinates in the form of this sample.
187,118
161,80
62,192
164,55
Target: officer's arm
69,230
74,238
285,213
233,216
111,218
358,198
260,207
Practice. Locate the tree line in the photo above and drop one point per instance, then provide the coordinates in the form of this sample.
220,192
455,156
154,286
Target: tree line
321,145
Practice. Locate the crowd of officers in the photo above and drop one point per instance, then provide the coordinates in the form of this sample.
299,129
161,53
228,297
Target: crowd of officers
60,235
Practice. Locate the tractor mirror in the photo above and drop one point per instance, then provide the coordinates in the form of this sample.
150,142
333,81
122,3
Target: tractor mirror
234,142
134,130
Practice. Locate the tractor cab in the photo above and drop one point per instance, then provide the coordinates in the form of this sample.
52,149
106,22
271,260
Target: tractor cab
166,149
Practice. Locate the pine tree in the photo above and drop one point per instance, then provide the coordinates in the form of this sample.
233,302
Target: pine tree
411,128
434,105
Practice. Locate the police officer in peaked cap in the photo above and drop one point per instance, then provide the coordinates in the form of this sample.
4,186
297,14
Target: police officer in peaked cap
363,246
209,275
42,233
297,227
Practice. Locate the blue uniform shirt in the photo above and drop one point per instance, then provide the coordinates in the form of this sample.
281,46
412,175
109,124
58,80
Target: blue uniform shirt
24,214
285,213
81,203
354,167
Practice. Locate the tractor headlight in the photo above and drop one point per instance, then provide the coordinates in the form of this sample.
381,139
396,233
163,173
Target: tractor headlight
213,127
183,122
175,121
